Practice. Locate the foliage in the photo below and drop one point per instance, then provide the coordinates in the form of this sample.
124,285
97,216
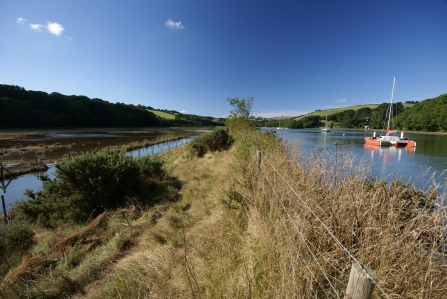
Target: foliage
217,140
90,184
22,108
303,123
240,117
242,107
429,115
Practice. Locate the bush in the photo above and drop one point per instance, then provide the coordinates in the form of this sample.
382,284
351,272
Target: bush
89,185
216,140
15,239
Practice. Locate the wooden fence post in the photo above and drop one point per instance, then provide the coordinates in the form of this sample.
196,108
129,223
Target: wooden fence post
1,171
4,208
258,159
360,285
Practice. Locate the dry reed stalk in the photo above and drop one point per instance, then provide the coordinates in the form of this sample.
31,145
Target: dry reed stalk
390,228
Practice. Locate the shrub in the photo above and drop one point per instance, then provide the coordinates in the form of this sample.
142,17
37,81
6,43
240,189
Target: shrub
217,140
89,185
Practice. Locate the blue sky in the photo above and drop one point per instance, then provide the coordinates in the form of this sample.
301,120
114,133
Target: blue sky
293,57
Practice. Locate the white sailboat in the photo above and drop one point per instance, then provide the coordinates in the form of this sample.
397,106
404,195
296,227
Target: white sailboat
326,128
279,126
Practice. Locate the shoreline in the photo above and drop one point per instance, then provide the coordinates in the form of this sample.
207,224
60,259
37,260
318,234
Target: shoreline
16,160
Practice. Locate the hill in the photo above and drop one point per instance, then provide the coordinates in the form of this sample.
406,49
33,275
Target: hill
20,108
429,115
329,112
373,116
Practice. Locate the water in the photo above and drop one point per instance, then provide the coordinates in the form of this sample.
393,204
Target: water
12,189
422,165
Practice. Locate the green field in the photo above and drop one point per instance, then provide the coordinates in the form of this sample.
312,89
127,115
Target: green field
328,112
163,114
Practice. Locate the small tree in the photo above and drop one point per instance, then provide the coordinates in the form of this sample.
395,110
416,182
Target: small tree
241,116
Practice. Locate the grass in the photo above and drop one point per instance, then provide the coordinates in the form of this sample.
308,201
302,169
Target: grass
163,114
238,231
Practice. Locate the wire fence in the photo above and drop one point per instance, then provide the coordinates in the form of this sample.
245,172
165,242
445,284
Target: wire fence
293,220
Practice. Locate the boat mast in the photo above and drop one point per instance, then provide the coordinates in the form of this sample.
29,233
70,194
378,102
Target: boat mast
391,104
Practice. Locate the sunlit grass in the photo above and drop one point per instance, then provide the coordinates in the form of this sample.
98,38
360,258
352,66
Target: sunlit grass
163,114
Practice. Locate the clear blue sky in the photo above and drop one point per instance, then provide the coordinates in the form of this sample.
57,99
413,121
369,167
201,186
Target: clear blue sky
293,57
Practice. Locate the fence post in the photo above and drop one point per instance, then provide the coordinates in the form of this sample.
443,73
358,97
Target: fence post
360,285
4,208
258,158
1,171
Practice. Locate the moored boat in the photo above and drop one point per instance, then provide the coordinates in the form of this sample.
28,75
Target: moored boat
389,139
326,128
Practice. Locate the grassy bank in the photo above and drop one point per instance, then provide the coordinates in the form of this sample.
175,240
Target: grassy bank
241,224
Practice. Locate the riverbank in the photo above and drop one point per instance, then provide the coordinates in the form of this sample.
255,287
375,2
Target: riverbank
20,155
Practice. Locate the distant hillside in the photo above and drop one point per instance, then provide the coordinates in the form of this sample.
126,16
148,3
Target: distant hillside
429,115
21,108
328,112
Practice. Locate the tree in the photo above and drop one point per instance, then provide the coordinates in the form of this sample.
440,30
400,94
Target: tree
240,118
242,107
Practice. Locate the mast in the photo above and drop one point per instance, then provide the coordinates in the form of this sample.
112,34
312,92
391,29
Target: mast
388,130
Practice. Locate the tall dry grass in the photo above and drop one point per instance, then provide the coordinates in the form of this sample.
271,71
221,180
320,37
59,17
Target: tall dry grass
391,228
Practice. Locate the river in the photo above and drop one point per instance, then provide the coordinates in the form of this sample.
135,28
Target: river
12,189
422,165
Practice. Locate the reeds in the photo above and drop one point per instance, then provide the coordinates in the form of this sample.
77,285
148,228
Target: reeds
311,214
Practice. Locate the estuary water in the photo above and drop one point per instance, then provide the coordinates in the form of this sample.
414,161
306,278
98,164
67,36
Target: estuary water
13,189
422,166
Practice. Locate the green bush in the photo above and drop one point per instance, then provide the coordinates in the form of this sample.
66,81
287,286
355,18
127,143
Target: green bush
15,239
89,185
217,140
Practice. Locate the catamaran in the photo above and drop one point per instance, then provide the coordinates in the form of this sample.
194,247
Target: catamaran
390,138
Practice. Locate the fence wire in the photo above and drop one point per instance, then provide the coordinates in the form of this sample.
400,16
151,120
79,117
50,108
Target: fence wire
316,217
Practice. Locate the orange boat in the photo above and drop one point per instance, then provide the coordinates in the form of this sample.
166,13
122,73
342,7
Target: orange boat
390,139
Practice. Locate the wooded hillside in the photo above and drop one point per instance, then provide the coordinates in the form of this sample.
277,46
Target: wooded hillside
20,108
429,115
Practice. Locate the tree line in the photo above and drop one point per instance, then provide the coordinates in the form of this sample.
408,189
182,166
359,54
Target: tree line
429,115
20,108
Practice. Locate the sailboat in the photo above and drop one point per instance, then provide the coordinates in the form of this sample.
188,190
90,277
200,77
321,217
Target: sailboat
279,126
326,128
390,138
